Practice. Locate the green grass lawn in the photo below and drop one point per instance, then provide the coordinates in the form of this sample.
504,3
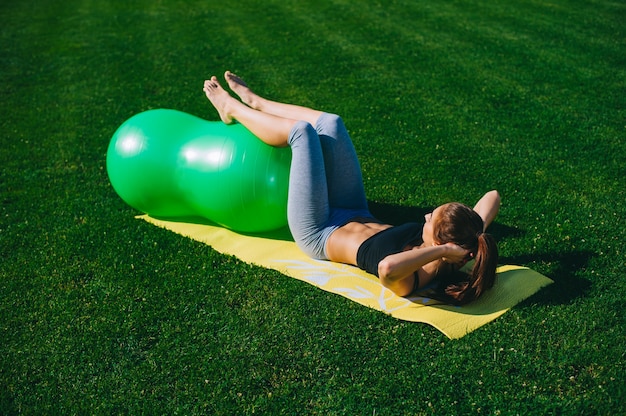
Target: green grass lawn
103,314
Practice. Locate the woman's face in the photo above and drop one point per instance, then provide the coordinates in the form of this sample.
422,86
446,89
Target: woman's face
427,232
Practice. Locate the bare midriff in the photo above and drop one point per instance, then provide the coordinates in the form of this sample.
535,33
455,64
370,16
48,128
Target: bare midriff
343,244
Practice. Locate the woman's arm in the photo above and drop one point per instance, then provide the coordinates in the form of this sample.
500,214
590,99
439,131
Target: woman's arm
398,272
488,206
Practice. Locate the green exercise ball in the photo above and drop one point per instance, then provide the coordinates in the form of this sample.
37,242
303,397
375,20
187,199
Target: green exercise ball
170,164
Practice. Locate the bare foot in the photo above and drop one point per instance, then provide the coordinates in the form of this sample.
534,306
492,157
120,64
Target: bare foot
240,88
220,99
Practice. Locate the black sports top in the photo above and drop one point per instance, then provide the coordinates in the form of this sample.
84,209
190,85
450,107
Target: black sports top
390,241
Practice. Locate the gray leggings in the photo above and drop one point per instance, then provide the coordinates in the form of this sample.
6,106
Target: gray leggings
325,183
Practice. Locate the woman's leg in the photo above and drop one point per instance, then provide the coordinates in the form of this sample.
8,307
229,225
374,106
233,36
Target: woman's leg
308,208
343,171
250,98
272,129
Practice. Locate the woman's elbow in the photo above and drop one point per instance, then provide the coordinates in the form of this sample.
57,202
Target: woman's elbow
387,271
390,279
384,269
494,195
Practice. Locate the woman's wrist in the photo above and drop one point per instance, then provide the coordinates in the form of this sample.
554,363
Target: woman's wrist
440,252
445,250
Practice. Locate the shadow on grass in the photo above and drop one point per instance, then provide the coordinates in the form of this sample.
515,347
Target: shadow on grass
396,214
563,267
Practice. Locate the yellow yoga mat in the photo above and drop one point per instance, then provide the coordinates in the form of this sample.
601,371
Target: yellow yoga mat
278,251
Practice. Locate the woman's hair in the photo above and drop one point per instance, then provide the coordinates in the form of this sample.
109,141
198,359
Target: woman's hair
461,225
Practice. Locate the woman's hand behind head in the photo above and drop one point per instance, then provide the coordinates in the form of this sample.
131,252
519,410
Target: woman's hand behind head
455,254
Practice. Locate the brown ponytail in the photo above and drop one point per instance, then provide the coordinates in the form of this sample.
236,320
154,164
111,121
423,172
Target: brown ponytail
461,225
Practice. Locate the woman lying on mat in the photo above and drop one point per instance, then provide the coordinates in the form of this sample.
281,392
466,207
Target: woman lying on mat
328,214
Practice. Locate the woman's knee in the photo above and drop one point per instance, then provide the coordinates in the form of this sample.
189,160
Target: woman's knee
329,122
331,125
331,118
302,130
